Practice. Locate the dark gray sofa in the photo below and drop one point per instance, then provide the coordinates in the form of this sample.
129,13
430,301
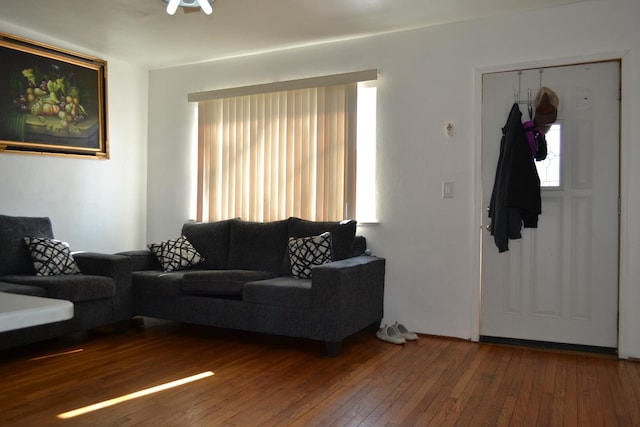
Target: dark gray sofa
246,282
101,294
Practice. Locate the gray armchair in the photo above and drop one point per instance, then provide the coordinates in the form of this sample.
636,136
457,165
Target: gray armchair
101,293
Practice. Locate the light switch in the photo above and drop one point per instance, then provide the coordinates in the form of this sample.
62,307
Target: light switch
447,190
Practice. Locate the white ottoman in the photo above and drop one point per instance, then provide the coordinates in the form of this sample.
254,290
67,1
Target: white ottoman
21,311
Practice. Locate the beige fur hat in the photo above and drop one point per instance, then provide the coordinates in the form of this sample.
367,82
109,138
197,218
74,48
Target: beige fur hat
546,103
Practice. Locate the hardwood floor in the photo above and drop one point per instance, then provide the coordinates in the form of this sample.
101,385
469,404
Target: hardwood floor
262,380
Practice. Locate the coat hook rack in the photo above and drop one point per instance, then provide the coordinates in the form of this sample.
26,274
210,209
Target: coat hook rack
541,70
516,92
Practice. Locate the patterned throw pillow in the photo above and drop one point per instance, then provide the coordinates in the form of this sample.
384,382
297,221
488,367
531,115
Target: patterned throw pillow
176,254
51,257
306,252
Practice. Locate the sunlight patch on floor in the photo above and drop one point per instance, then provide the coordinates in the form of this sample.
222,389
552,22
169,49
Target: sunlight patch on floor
135,395
64,353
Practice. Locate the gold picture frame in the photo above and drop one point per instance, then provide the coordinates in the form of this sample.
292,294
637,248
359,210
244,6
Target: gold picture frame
52,101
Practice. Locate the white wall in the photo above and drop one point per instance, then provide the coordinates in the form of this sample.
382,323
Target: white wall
94,205
427,78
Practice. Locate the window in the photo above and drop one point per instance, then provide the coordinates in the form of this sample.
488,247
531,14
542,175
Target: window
269,155
366,148
549,169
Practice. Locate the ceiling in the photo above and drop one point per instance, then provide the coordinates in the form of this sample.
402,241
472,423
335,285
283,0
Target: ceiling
141,32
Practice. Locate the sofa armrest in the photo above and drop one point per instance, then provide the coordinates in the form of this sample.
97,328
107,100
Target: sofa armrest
118,267
348,295
142,259
102,264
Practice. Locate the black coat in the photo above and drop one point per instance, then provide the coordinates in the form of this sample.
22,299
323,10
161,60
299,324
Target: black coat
515,199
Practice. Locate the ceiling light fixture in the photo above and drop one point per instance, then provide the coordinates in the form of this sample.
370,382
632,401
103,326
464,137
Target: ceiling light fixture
205,5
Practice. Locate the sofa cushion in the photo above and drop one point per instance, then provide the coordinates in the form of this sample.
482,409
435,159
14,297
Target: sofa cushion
13,288
74,288
342,233
359,245
157,282
223,283
306,252
342,237
51,257
176,254
257,246
211,239
280,291
13,252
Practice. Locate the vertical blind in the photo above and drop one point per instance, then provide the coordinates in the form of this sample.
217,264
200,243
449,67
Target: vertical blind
269,156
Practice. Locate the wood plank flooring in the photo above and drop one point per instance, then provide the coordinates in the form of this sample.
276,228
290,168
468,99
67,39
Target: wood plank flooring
262,380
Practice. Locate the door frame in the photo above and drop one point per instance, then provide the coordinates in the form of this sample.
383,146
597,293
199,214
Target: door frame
625,282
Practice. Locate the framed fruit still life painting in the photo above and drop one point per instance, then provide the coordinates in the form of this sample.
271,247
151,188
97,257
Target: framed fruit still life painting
52,101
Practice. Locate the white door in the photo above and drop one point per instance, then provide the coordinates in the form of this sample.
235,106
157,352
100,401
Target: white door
559,282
